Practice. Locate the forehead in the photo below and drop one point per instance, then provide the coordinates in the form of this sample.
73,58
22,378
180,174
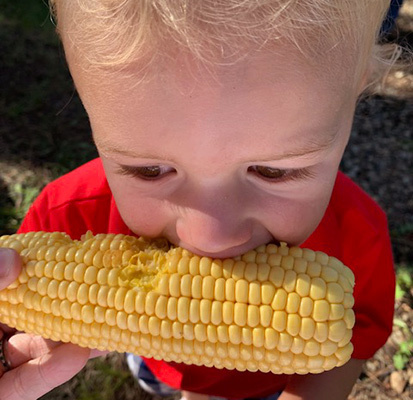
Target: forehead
185,75
277,100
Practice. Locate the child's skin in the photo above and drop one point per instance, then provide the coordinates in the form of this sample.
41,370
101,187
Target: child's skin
217,163
209,161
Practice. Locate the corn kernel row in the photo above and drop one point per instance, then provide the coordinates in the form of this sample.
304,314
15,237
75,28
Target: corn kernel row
275,308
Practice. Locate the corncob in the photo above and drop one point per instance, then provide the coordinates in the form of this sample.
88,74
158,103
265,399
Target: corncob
278,309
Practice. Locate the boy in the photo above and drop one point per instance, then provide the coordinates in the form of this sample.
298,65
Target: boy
221,125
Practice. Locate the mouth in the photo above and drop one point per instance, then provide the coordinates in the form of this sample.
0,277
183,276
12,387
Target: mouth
234,252
146,267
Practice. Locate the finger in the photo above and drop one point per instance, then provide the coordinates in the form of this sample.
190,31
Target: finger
6,329
10,267
97,353
37,377
23,347
4,362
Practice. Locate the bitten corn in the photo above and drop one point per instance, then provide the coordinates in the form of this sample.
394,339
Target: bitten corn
274,309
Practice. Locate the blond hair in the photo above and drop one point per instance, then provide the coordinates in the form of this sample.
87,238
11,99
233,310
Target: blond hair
112,33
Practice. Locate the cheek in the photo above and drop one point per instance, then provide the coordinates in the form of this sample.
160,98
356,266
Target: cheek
143,217
295,218
142,214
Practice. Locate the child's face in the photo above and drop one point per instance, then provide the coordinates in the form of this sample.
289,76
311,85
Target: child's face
221,165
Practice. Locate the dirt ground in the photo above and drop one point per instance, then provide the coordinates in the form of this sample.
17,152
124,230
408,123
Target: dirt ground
44,133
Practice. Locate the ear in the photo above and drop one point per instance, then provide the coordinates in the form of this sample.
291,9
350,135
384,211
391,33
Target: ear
366,79
370,78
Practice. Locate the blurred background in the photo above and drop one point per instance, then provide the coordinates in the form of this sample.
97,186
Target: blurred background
44,133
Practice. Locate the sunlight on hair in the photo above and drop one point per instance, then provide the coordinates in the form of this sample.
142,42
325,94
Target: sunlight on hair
108,33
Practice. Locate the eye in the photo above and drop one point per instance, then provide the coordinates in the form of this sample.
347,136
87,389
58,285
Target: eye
268,172
147,172
279,175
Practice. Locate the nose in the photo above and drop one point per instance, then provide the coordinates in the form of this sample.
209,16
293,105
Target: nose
214,234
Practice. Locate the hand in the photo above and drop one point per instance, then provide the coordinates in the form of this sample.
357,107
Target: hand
37,365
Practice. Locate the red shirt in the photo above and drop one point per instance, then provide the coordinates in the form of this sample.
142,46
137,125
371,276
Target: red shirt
353,229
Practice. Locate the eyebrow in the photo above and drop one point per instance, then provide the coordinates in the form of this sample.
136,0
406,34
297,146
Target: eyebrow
107,147
312,147
309,149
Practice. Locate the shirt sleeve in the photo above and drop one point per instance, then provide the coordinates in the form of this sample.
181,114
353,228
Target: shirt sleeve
36,218
373,292
367,250
75,203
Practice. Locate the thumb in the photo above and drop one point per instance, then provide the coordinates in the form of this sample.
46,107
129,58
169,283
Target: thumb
39,376
10,266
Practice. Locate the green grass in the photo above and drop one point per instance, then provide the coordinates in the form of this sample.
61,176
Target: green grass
404,281
404,353
105,383
22,197
404,294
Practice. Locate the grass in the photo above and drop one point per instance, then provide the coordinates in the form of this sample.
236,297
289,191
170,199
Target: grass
108,381
404,294
405,351
44,132
404,281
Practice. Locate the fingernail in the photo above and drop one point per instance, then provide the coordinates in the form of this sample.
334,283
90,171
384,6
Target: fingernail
7,261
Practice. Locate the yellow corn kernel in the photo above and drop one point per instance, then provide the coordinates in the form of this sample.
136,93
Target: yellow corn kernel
274,309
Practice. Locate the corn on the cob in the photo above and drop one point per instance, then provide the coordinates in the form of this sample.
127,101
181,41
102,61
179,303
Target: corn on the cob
279,309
